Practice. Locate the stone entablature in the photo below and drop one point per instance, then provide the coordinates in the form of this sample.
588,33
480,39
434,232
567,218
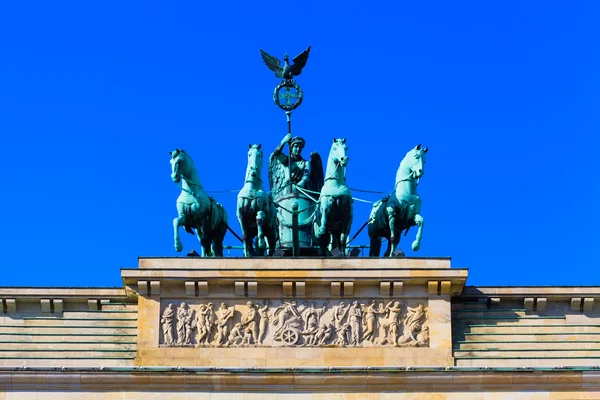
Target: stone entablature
294,312
416,325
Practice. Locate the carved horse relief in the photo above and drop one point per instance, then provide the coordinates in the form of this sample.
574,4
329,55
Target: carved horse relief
401,209
333,216
197,212
255,211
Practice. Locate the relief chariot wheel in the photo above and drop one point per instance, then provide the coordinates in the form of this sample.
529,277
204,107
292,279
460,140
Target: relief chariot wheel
290,336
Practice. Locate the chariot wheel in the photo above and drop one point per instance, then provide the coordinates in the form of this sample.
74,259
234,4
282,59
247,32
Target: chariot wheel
289,336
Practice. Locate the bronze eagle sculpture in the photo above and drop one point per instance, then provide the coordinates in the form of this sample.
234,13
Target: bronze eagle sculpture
287,72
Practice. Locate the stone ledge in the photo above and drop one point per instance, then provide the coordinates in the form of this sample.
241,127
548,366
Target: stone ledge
63,292
455,276
547,292
293,263
358,379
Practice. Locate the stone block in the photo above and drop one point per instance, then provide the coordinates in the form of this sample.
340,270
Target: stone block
203,288
58,305
300,289
528,303
446,287
397,288
240,288
336,288
588,304
154,288
432,287
190,289
142,288
46,307
93,304
541,304
288,289
11,305
348,288
576,304
384,288
252,289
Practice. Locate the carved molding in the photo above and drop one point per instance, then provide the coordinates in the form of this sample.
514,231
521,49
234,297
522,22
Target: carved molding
284,323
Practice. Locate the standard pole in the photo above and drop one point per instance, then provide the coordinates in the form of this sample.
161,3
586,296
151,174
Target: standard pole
288,114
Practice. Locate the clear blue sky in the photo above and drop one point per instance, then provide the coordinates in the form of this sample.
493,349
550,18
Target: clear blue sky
506,95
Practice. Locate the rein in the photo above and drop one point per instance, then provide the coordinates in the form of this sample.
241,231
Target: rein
180,186
333,176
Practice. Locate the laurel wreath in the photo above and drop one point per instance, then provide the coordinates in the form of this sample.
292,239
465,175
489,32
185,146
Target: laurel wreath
287,84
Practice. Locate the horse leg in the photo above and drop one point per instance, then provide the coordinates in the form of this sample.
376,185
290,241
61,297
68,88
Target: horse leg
374,240
218,247
242,209
199,237
346,224
388,249
325,205
271,237
219,235
260,234
394,239
177,222
324,236
205,246
419,220
205,236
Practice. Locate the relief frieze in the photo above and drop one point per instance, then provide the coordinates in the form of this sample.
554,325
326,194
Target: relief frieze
277,323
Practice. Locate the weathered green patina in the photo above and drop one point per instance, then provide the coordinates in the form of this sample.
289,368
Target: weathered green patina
306,175
401,209
287,71
196,211
255,210
333,216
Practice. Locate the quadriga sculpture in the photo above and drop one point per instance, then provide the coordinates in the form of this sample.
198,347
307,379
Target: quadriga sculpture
195,209
333,216
400,210
255,211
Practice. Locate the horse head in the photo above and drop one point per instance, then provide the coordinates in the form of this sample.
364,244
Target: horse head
339,152
255,163
178,164
412,166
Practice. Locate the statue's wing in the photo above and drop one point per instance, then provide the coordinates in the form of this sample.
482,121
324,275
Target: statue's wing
273,63
277,176
316,171
300,62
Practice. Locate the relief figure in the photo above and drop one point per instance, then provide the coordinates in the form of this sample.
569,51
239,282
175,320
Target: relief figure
263,326
343,335
415,332
206,323
355,318
236,336
167,322
339,313
390,323
185,324
311,317
370,320
223,314
250,322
